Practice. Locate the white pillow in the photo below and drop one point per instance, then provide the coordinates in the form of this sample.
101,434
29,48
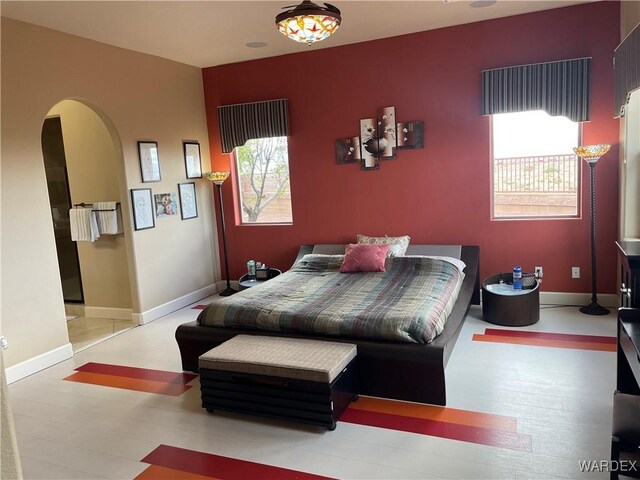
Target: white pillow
397,245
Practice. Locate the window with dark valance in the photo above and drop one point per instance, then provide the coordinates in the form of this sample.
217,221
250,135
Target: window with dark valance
627,69
558,88
244,121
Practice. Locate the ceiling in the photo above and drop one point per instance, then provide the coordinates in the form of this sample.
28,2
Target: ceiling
209,33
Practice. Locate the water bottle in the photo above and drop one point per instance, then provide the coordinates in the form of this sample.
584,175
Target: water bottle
517,278
251,269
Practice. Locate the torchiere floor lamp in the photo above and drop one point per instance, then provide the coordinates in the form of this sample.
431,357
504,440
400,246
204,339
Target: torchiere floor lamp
218,179
591,154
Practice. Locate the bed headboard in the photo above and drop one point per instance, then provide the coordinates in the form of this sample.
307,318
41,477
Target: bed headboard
454,251
435,250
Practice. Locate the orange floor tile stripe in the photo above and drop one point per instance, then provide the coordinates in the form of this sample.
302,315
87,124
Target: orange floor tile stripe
156,472
140,385
133,378
541,342
440,414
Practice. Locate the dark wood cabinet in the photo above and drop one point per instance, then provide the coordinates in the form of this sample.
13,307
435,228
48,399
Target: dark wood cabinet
629,277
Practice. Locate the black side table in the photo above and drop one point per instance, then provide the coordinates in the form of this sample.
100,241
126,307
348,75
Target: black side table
512,310
244,281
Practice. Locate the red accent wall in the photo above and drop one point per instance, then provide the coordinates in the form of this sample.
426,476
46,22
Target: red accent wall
440,194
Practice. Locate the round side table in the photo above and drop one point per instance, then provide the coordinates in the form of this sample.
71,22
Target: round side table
502,305
244,281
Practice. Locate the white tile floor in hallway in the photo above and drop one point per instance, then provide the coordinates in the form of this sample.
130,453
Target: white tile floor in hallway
560,397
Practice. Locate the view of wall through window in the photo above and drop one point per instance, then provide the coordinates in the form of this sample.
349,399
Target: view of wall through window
263,180
535,172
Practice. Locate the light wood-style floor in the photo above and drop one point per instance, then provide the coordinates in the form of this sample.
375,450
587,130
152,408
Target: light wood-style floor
84,331
560,397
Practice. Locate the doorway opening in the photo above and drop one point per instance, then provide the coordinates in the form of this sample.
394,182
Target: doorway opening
55,167
84,165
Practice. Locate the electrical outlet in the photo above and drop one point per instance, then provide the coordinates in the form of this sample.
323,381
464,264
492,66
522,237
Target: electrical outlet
3,343
537,271
575,272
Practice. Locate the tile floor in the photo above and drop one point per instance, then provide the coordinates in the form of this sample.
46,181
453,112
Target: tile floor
559,397
84,331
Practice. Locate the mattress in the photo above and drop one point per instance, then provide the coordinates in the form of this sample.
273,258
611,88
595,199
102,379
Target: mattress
409,302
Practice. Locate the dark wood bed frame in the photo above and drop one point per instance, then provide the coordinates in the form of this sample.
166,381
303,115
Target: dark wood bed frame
402,371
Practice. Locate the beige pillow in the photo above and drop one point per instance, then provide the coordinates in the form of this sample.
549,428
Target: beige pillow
397,245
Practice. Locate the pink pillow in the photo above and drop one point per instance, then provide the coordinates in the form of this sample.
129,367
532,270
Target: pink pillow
364,258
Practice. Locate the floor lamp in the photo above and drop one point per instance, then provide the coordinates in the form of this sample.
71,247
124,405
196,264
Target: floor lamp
591,154
218,179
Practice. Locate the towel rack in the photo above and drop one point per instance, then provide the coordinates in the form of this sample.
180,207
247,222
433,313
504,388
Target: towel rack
85,205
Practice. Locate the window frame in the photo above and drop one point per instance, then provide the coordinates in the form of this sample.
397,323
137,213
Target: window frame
579,183
238,200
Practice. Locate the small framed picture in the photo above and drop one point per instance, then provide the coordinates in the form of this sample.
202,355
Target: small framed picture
149,161
142,207
166,204
188,204
192,161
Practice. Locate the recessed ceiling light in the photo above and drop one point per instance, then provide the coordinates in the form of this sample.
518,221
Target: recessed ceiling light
482,3
256,44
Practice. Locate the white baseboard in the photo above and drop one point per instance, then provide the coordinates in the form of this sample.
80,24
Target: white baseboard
169,307
107,312
608,300
35,364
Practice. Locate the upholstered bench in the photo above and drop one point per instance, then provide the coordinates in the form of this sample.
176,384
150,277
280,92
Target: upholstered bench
307,381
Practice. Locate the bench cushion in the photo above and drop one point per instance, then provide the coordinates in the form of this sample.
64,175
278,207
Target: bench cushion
312,360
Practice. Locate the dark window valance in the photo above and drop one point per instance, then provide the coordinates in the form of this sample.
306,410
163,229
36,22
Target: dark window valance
558,88
244,121
627,69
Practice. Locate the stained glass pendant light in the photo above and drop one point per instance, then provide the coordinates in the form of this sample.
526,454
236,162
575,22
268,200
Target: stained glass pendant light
309,23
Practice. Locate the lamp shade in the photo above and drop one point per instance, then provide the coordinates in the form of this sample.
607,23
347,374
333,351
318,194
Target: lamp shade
308,22
217,177
592,153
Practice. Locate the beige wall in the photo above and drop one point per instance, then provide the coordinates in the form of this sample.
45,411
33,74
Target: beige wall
93,166
144,97
629,16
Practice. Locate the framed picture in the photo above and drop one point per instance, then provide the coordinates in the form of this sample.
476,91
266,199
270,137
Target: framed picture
142,207
149,161
192,161
166,204
188,204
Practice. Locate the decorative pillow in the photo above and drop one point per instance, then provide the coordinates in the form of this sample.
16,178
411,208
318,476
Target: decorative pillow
397,245
364,258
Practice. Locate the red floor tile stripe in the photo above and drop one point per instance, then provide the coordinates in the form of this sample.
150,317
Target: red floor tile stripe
437,413
433,428
126,383
199,307
567,337
537,342
223,468
139,373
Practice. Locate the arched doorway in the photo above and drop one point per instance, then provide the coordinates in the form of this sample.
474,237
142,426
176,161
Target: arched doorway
83,165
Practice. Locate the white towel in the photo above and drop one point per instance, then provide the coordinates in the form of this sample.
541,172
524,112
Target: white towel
108,216
84,226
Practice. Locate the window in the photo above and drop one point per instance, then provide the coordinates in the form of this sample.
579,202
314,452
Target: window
535,172
263,181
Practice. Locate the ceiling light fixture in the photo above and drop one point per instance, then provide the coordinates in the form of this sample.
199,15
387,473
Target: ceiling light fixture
308,22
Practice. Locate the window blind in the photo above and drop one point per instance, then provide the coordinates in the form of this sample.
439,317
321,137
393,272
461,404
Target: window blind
626,70
244,121
558,88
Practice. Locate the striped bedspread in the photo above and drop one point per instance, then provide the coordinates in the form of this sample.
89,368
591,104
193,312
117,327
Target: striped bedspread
408,303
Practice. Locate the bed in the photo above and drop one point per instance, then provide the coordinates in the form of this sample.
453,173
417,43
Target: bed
401,367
